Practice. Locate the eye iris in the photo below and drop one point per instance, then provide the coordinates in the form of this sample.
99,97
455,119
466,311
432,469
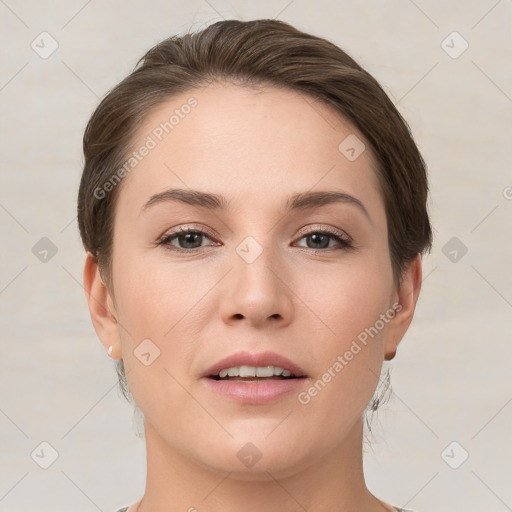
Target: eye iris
186,239
315,237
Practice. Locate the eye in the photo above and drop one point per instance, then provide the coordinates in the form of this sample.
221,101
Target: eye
188,239
320,239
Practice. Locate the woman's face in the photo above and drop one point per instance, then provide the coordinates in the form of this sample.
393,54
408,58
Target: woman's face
270,277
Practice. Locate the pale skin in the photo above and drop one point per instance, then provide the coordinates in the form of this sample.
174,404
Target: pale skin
304,298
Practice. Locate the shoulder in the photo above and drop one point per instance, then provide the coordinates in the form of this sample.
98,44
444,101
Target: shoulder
130,507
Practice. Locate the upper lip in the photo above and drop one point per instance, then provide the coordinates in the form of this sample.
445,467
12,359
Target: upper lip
249,359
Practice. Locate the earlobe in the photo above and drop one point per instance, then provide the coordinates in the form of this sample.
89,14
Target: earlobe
406,299
101,308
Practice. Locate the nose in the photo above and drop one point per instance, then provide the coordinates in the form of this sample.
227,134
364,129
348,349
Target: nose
257,292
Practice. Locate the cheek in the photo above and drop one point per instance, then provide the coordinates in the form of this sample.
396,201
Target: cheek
154,307
153,297
349,365
166,305
349,298
354,311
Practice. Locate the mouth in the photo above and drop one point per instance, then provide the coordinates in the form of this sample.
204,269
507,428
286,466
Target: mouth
254,378
246,373
254,366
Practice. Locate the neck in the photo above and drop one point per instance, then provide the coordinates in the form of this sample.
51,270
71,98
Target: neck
334,482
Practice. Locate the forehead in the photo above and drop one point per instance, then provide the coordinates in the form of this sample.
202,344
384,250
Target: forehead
256,145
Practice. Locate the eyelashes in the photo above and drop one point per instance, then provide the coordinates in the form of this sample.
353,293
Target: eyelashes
341,238
183,234
192,236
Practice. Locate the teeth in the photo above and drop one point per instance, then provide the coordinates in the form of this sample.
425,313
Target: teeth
264,371
247,371
253,371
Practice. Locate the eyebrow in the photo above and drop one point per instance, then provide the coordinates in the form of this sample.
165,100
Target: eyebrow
297,201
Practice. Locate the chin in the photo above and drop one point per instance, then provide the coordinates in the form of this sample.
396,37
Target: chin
261,460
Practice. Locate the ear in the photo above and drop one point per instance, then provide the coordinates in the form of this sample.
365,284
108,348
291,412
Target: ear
101,308
406,298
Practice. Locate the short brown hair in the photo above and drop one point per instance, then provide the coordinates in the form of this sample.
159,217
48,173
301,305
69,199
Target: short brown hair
251,53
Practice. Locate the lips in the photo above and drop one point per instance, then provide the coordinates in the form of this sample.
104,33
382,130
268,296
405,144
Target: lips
254,390
256,360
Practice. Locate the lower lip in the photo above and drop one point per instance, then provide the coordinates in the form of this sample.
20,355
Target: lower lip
258,392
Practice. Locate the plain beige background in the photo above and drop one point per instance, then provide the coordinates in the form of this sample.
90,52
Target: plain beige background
451,377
